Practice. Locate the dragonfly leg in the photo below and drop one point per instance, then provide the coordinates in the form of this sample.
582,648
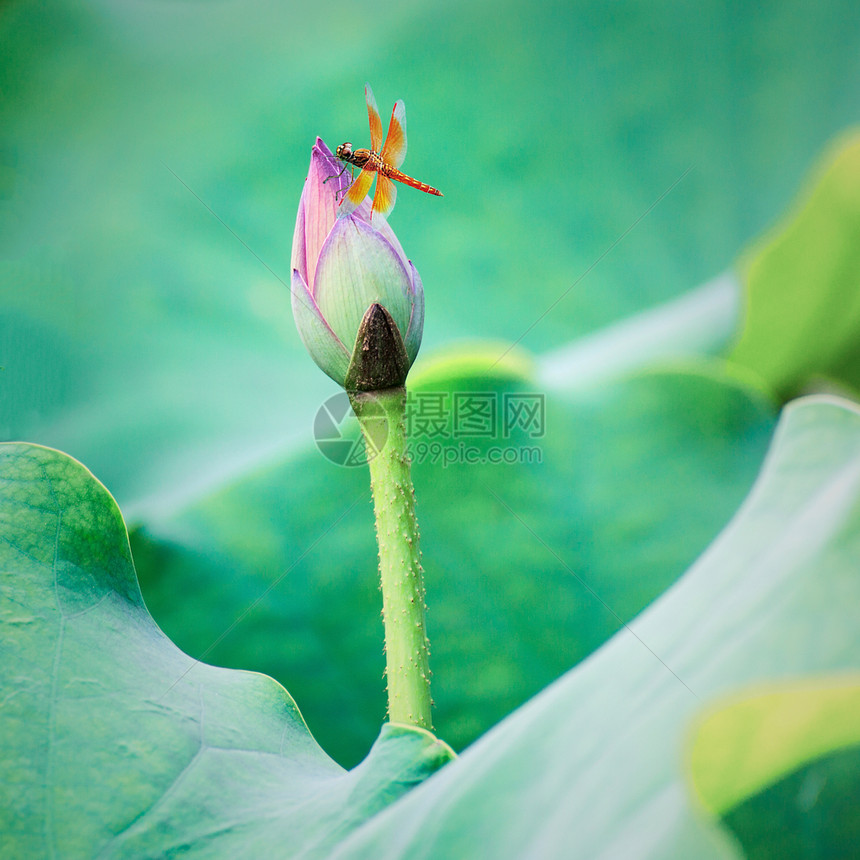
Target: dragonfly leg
335,175
352,175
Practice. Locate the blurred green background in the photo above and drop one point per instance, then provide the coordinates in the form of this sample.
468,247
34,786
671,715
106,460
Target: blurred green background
139,335
613,156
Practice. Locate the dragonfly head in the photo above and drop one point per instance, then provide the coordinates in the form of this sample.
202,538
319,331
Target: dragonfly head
344,151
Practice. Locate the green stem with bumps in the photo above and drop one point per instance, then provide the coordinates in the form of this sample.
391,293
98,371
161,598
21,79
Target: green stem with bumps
381,415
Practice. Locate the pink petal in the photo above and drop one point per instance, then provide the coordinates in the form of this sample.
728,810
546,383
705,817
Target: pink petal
317,210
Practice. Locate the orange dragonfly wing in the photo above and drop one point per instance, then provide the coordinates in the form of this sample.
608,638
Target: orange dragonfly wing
357,192
375,119
384,198
394,150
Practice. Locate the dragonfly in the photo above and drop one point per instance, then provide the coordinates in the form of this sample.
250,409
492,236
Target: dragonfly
383,161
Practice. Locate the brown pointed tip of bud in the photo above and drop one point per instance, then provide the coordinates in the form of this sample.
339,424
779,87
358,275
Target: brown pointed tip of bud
379,358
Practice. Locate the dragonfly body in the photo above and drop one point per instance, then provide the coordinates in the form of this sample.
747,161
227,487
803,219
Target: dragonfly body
370,160
382,161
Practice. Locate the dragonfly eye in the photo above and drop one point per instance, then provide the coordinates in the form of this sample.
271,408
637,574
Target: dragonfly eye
344,150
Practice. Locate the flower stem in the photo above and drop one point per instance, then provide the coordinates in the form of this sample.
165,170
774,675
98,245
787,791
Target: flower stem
381,415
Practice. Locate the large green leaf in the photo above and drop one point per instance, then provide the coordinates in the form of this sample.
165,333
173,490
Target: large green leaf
782,767
802,281
634,479
594,766
744,745
115,743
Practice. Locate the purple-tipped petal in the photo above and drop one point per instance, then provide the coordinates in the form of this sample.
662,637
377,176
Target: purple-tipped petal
358,267
317,210
326,349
